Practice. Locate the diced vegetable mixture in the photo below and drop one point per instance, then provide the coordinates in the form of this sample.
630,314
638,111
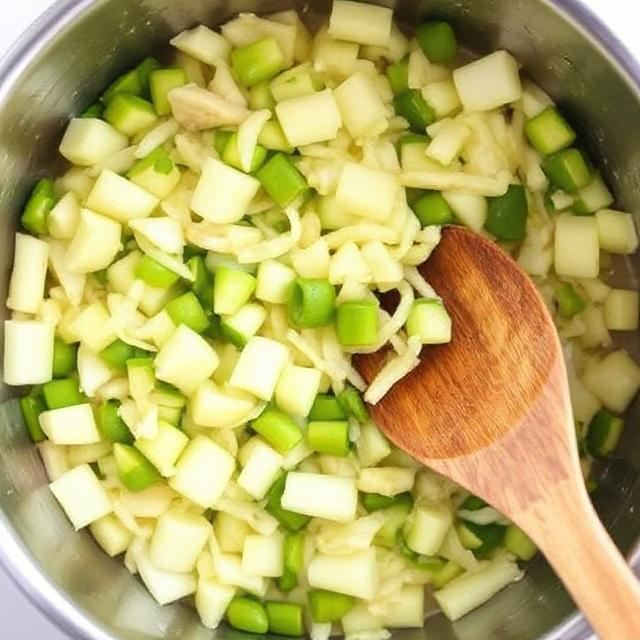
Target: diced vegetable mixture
187,297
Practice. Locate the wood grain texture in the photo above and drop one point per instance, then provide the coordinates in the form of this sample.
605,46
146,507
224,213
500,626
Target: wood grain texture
491,411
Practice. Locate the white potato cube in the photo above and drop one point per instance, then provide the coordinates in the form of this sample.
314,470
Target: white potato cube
615,380
354,574
262,556
360,22
28,352
621,310
178,540
347,263
119,198
219,408
229,571
469,208
576,249
535,261
388,481
185,360
442,97
89,141
54,458
363,191
72,282
81,495
297,389
489,82
260,470
584,403
616,231
230,532
111,535
212,600
309,119
95,243
372,446
448,142
164,586
313,261
407,609
92,371
148,503
321,496
428,529
203,472
595,332
223,193
26,287
70,425
64,217
165,233
259,367
383,267
360,619
363,112
274,281
93,328
203,44
164,449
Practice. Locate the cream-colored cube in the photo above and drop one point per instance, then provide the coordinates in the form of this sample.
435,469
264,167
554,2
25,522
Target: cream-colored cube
212,600
111,535
360,22
616,231
213,406
64,217
576,249
119,198
203,44
354,574
442,97
164,232
95,243
363,112
621,310
297,389
262,555
89,141
93,328
26,287
28,352
164,586
615,380
70,425
260,470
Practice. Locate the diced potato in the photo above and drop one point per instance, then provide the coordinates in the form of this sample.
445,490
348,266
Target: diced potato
621,310
535,261
470,209
489,82
577,251
70,425
93,372
448,142
360,22
595,332
165,233
88,453
616,231
321,496
164,586
251,375
95,243
336,58
274,280
229,572
297,388
596,290
28,352
355,574
120,199
212,600
383,267
584,403
54,458
185,360
203,472
81,495
360,620
615,380
389,481
260,470
178,540
72,282
89,141
223,193
312,262
111,535
363,191
428,529
363,112
309,119
150,503
442,97
63,219
230,532
219,408
93,328
164,449
262,556
372,446
347,263
407,609
26,288
203,44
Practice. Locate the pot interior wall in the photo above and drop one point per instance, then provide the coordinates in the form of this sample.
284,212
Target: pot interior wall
69,72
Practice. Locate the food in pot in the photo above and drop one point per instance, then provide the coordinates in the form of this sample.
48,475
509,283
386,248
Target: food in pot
187,296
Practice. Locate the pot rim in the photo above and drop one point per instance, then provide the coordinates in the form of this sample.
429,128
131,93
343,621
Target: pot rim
15,558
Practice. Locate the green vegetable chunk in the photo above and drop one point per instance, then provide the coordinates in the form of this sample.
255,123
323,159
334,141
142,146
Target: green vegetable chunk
128,82
231,155
186,309
549,132
202,285
449,572
285,618
94,110
64,357
272,137
258,61
247,614
331,437
568,301
437,40
414,109
111,426
220,140
282,181
357,323
412,138
603,433
473,503
278,429
352,403
144,70
328,606
31,407
396,518
507,214
129,114
327,407
260,97
376,501
432,208
489,535
161,81
398,76
232,288
567,170
117,353
135,472
290,520
154,274
62,393
311,303
519,543
293,560
36,211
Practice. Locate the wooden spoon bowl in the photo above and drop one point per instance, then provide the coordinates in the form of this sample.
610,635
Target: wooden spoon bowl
491,411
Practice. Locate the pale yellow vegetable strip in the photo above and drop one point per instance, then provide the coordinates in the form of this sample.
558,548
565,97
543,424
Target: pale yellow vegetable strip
251,513
222,238
170,262
410,230
415,279
335,356
248,133
119,162
480,185
164,131
363,232
275,247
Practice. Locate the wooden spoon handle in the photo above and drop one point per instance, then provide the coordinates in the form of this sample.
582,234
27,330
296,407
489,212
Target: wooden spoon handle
568,531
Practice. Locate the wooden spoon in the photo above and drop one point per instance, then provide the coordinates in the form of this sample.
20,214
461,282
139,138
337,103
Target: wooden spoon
491,411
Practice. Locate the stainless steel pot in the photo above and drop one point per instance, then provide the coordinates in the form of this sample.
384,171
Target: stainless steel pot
59,67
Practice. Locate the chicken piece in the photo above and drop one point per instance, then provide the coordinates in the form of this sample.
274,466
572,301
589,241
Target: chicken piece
197,109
